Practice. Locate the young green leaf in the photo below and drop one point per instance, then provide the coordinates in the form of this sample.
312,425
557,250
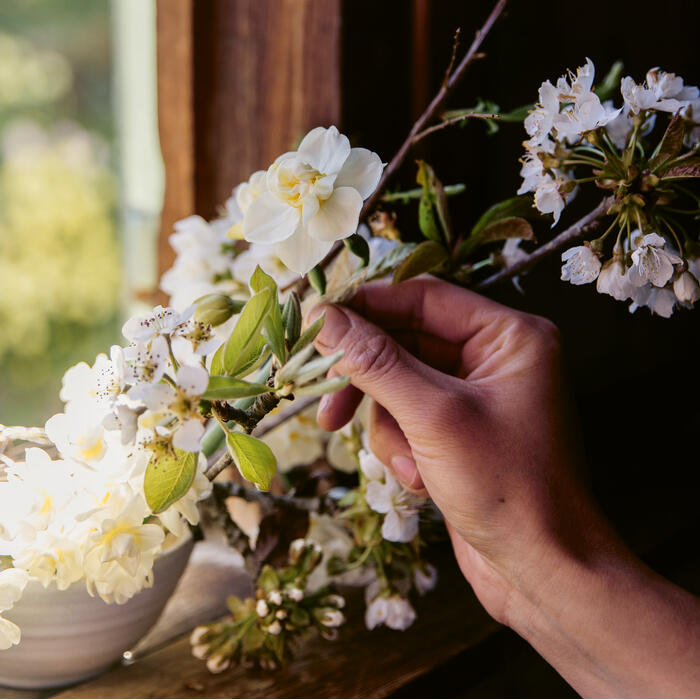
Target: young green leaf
390,260
428,256
243,347
222,388
273,328
317,279
254,459
511,227
315,368
308,336
168,478
427,206
217,362
523,206
358,246
325,386
291,317
289,372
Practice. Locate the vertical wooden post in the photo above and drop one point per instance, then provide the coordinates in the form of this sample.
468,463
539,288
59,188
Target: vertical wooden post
240,81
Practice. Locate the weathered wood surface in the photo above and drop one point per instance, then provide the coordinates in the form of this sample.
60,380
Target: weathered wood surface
359,664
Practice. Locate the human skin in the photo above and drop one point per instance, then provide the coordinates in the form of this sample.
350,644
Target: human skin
470,406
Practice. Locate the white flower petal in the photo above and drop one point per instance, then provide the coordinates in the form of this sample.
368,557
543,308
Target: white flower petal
268,220
325,149
10,634
192,380
362,171
188,436
300,252
338,215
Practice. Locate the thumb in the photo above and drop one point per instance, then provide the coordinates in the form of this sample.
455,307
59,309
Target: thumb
377,364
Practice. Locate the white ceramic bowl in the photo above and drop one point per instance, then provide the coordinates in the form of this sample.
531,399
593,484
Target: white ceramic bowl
68,636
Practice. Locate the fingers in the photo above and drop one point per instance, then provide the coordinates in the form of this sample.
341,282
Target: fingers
338,408
389,444
376,364
427,304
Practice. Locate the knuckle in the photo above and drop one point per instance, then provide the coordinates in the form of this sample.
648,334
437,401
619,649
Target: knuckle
373,356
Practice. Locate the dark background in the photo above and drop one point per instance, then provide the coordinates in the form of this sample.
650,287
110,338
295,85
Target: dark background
634,376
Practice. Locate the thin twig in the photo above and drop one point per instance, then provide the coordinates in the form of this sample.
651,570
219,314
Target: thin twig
582,226
446,89
451,122
453,57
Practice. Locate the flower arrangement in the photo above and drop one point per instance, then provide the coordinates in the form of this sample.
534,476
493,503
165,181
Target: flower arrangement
227,374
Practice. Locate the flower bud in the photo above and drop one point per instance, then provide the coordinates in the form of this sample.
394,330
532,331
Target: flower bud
216,309
218,663
275,628
200,651
330,617
296,549
334,600
295,594
281,614
198,634
262,608
275,597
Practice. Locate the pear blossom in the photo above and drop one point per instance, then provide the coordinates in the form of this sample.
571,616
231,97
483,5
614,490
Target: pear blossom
312,197
264,256
613,280
661,91
146,363
298,440
686,288
12,584
196,336
651,263
659,300
581,265
162,321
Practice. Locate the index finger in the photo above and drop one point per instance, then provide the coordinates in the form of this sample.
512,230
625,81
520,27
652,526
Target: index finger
429,305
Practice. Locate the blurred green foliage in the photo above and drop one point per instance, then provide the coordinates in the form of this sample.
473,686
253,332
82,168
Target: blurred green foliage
59,253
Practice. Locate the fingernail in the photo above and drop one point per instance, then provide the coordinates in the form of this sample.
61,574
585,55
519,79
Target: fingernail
334,328
405,469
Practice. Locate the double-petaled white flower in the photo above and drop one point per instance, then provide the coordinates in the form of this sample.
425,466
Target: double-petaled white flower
581,265
311,198
651,263
12,584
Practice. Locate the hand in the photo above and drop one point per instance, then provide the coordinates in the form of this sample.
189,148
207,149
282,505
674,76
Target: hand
470,405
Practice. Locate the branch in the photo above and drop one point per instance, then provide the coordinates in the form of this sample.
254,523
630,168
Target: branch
450,122
446,89
581,227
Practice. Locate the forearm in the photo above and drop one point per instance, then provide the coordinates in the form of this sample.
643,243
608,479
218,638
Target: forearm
612,627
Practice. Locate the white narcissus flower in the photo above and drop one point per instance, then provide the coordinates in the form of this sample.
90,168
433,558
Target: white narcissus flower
581,265
312,198
651,263
613,280
12,584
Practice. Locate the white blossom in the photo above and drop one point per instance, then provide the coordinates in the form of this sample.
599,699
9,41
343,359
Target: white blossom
686,288
395,612
298,440
659,300
161,321
581,265
312,197
425,578
12,584
613,280
651,263
146,363
661,91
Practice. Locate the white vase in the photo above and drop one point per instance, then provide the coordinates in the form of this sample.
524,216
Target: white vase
68,636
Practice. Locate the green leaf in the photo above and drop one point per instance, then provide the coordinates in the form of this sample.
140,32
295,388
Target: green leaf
308,336
168,478
217,362
522,205
325,386
670,144
222,388
428,256
427,207
317,279
358,246
688,168
273,328
254,459
244,346
512,227
611,82
390,260
291,317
